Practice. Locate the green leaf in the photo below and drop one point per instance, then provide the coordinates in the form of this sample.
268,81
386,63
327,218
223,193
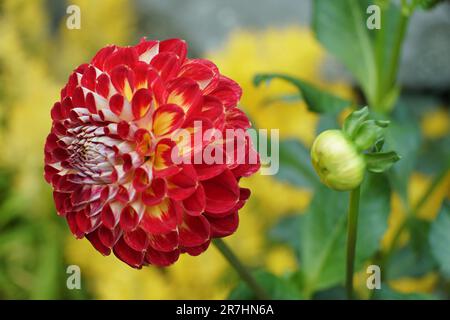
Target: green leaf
341,27
323,232
387,43
429,4
378,146
368,133
354,121
282,97
287,231
327,122
434,156
381,161
404,137
372,56
415,258
408,262
295,164
317,100
333,293
278,288
439,239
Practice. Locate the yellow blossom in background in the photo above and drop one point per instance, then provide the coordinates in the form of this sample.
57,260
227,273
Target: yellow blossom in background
102,23
424,284
281,259
417,186
436,124
27,96
288,198
293,51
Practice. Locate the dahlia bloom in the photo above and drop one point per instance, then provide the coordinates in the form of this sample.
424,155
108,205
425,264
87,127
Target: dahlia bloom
113,153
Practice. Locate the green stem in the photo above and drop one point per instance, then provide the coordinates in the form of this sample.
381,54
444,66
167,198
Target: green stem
351,239
243,272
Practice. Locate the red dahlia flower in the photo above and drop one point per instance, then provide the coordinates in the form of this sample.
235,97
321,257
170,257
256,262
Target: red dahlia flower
109,155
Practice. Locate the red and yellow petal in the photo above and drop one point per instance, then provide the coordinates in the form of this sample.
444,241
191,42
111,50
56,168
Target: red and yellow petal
166,119
161,218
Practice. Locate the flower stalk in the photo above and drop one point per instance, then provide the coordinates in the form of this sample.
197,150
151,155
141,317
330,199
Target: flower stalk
341,158
243,272
351,239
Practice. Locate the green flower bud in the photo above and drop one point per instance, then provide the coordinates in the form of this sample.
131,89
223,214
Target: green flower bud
337,161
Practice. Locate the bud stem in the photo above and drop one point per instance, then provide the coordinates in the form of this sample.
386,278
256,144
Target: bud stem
243,272
351,239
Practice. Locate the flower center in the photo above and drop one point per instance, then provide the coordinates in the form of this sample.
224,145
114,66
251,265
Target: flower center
91,154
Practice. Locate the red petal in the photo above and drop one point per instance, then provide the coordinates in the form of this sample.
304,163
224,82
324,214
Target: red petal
222,192
223,226
102,85
141,102
206,171
147,50
143,142
102,55
161,218
88,78
57,112
108,236
204,72
49,172
122,56
177,46
95,241
73,225
136,239
60,198
162,164
78,98
182,184
161,259
236,118
110,214
227,91
128,255
141,180
116,103
167,65
122,79
155,193
194,231
165,242
129,219
60,154
185,93
196,203
195,251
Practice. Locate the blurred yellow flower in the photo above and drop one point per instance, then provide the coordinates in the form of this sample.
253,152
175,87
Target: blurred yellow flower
417,186
281,260
102,23
424,284
436,124
292,50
